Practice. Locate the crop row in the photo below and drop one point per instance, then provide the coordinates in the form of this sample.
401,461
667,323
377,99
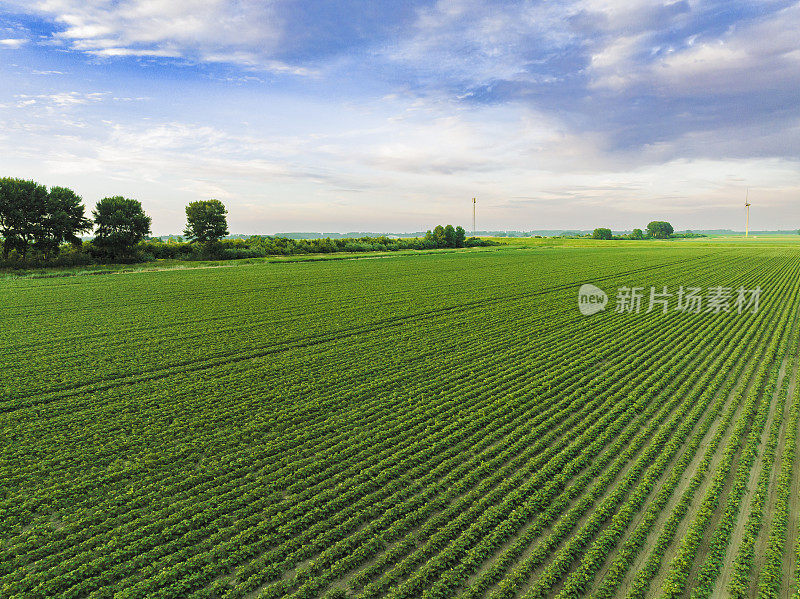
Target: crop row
748,431
393,447
770,577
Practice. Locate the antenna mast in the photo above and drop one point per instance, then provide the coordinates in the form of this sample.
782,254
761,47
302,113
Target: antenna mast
474,200
747,210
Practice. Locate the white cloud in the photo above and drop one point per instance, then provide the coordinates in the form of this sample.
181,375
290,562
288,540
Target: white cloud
239,32
759,55
115,51
12,43
762,56
417,162
632,16
478,42
614,66
431,141
61,99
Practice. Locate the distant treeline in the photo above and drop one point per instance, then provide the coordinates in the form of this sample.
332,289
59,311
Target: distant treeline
621,234
41,227
657,229
254,246
570,233
257,246
349,235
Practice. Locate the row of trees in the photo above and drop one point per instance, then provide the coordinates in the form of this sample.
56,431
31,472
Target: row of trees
46,222
447,236
657,229
33,218
257,246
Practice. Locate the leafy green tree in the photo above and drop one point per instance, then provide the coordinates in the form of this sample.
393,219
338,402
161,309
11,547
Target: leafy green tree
64,218
637,234
602,233
205,221
121,224
461,236
659,229
450,236
438,236
23,206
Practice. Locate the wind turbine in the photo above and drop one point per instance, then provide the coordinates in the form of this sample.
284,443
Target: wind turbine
747,209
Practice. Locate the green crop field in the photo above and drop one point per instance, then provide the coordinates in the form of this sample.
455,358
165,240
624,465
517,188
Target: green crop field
426,425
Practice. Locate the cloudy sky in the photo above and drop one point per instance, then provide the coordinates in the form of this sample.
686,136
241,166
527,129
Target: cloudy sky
390,115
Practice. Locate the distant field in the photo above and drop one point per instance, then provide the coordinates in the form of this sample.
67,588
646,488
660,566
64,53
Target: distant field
756,239
425,425
777,240
171,264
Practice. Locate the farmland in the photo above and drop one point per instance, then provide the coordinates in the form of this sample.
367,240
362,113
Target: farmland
432,425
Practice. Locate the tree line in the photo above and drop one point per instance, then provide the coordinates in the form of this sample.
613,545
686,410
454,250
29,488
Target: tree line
43,226
34,219
657,229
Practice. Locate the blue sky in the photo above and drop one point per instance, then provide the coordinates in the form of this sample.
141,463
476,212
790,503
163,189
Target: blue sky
391,115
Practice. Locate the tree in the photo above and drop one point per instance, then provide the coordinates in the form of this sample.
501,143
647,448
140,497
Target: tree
450,236
659,229
602,233
461,236
23,205
121,224
63,219
438,236
637,234
205,221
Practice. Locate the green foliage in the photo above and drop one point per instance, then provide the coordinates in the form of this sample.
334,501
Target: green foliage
360,429
33,218
205,221
637,234
264,245
659,229
63,220
602,233
450,236
770,577
23,211
123,236
461,236
121,224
